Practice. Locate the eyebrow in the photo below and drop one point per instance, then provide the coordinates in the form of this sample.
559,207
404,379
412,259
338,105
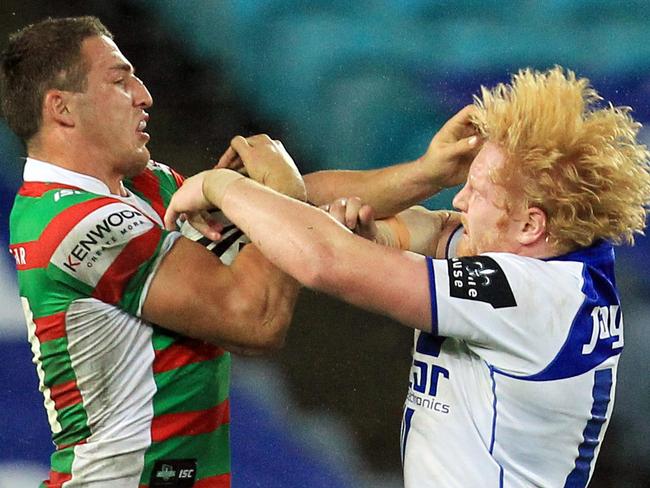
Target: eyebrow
122,67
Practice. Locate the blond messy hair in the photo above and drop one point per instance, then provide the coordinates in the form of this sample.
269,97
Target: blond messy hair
576,160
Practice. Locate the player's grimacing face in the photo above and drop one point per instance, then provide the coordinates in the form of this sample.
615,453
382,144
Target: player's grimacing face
482,203
111,111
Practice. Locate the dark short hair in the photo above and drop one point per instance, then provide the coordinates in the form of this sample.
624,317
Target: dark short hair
41,57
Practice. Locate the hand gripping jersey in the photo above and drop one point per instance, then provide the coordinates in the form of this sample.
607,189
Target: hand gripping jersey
130,404
514,387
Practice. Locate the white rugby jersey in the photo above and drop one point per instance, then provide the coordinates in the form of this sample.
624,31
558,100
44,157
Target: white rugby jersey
515,385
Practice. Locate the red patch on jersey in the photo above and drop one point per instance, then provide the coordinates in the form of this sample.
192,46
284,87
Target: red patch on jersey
57,479
111,286
147,184
65,395
50,327
170,425
184,352
38,189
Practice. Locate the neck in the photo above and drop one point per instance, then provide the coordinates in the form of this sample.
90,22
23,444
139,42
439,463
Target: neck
65,156
540,249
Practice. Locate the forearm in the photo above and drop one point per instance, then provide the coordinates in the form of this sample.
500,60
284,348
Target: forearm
388,190
322,254
418,230
286,231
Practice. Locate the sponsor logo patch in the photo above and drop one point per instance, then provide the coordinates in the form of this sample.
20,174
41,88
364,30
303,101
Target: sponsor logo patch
480,278
173,473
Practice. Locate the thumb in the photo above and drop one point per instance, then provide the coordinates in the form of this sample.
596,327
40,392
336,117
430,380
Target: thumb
171,215
367,227
241,147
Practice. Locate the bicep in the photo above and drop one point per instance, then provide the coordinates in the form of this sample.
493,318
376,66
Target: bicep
196,295
383,280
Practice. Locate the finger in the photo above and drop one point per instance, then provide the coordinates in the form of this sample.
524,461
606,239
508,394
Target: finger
461,125
241,146
208,227
367,226
212,222
468,145
258,139
337,210
230,159
352,212
170,218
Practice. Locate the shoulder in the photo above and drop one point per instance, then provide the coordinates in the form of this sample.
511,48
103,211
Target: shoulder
506,280
155,177
155,185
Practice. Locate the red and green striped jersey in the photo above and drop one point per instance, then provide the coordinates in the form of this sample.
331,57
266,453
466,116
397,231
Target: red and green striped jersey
130,404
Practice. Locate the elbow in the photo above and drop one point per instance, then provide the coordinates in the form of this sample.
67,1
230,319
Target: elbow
263,321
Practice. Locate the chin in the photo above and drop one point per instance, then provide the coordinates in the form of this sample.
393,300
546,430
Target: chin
137,164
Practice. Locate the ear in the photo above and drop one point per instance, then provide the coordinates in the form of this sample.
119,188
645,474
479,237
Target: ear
56,108
534,226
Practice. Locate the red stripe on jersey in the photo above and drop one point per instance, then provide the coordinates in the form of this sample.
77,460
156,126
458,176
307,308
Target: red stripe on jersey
60,447
37,254
111,285
57,479
179,178
147,184
65,395
170,425
184,352
50,327
219,481
38,189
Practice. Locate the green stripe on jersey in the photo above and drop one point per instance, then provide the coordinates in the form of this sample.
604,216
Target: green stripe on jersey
168,186
212,450
44,298
38,212
56,362
197,386
62,460
75,288
74,423
163,338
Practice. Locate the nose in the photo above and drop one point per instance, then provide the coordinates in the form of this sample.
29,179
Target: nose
460,200
141,96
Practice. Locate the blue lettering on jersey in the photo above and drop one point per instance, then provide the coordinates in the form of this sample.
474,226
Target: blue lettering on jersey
597,330
425,377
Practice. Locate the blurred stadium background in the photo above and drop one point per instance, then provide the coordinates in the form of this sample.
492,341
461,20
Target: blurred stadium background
352,85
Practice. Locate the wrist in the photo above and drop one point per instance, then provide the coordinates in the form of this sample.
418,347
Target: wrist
393,232
216,184
425,177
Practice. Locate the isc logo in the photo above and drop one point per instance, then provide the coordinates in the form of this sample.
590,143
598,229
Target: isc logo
607,321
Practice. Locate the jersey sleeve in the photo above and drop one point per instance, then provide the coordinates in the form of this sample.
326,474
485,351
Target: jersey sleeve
504,306
108,251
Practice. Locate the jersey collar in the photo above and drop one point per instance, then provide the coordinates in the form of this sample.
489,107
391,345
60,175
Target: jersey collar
599,253
37,170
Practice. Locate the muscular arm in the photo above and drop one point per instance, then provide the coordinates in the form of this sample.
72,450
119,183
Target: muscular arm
321,254
245,307
395,188
419,230
388,190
